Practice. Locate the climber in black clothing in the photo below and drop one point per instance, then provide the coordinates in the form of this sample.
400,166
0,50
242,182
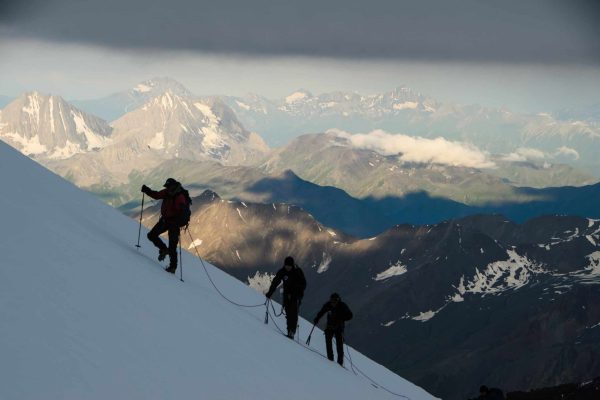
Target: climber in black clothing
337,314
294,285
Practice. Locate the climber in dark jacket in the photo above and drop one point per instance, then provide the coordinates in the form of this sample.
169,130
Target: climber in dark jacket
294,285
172,214
338,313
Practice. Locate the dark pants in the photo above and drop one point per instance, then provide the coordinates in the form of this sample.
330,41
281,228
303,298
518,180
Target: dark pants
339,344
160,228
290,304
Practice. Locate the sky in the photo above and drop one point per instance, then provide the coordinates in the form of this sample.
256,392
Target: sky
538,55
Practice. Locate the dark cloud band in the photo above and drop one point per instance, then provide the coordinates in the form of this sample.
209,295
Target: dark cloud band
554,31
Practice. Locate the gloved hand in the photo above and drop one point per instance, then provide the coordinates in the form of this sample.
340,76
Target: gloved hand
145,189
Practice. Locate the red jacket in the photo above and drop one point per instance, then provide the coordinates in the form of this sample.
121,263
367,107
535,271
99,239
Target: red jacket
172,206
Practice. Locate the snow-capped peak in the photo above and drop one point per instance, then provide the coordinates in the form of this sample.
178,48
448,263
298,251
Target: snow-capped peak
156,86
48,126
297,96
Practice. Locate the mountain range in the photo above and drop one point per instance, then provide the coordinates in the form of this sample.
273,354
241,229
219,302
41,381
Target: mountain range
565,136
360,217
405,111
332,159
201,141
441,299
90,151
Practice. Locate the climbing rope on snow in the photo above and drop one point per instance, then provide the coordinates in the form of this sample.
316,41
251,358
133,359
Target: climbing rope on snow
213,283
373,382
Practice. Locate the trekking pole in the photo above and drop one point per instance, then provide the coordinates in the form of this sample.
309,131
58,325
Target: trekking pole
309,335
140,228
298,322
180,258
267,311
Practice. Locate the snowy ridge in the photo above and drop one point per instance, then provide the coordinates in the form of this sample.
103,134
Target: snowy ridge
87,315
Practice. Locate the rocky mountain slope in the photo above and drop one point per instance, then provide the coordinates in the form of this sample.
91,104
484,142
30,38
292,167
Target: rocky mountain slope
332,159
452,304
405,111
361,217
47,127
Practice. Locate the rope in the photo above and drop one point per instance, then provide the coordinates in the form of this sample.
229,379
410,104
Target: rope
213,283
297,342
275,315
282,312
373,382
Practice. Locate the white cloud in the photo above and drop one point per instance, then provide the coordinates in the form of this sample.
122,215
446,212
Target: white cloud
531,154
525,154
567,151
418,149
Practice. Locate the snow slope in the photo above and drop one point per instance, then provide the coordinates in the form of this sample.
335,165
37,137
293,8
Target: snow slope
84,315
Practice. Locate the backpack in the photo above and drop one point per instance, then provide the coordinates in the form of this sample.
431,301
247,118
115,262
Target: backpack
184,219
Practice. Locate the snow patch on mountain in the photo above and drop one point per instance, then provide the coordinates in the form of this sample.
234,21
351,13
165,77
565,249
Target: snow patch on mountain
260,281
28,146
158,141
499,276
241,216
142,88
325,263
212,119
195,243
66,151
425,316
593,268
394,270
93,140
243,105
296,96
32,107
407,105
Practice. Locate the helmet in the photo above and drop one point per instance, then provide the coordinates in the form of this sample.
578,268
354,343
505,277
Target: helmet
289,261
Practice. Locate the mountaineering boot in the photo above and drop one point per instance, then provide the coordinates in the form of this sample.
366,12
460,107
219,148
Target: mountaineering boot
171,269
162,254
